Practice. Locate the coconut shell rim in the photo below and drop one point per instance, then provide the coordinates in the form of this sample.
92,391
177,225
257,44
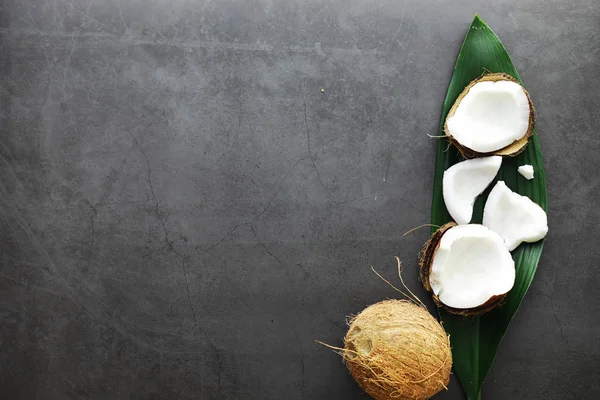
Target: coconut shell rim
426,259
512,149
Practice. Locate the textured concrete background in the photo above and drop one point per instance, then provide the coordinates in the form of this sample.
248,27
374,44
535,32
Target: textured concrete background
183,211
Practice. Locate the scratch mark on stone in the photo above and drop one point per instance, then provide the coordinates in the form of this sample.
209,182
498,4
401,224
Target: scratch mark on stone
73,43
160,357
93,238
187,287
552,305
121,14
33,24
343,203
312,159
52,268
97,312
173,11
219,371
227,151
399,25
30,286
86,13
209,248
189,44
318,298
159,33
587,58
66,67
263,245
164,227
265,209
388,161
152,193
302,377
411,204
210,167
274,196
558,322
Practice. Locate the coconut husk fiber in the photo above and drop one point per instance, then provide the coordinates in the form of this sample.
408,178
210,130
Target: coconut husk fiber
396,349
512,149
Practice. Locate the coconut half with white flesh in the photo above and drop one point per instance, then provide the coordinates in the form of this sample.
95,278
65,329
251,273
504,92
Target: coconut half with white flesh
493,115
466,180
468,268
514,217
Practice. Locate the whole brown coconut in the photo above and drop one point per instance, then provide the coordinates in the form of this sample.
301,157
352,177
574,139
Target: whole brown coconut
512,149
397,350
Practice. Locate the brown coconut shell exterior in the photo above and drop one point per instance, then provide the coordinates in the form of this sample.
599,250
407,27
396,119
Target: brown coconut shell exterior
512,149
397,350
425,262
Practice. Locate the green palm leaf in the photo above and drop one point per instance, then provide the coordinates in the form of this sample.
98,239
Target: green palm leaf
475,340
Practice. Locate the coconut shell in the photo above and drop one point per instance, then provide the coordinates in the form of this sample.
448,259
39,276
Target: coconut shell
512,149
425,262
397,350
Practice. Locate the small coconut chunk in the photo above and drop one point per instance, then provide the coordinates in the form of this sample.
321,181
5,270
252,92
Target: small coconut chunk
526,170
466,180
470,267
514,217
491,116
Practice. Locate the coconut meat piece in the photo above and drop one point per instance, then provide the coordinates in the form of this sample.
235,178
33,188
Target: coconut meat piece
492,115
527,171
514,217
466,180
470,266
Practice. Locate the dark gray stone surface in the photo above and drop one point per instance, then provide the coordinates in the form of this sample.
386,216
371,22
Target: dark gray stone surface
184,211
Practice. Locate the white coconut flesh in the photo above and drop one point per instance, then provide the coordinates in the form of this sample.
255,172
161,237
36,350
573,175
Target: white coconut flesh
466,180
526,170
514,217
491,116
470,266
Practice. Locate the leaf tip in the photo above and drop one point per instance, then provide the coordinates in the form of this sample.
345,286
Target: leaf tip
478,22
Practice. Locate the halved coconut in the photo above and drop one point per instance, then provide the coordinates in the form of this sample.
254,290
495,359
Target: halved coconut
468,268
493,115
466,180
514,217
